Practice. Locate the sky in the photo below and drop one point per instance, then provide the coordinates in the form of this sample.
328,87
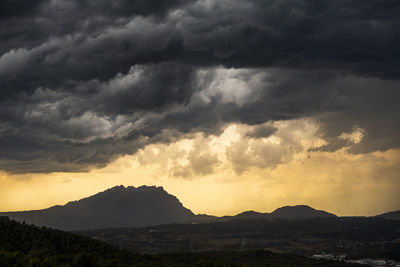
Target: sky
230,105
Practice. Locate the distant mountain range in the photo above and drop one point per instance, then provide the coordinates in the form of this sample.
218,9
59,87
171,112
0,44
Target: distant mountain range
287,212
120,207
394,215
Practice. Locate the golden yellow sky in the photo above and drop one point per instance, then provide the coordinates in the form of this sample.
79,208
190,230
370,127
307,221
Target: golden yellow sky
232,173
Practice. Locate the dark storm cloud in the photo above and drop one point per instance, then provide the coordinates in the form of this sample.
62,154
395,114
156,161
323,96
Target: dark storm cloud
18,8
358,36
83,82
29,154
148,88
30,23
262,131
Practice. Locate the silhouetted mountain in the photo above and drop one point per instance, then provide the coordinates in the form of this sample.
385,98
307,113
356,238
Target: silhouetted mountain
253,215
120,207
394,215
299,212
246,215
288,213
113,208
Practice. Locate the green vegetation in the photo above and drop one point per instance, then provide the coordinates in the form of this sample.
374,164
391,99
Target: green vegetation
28,245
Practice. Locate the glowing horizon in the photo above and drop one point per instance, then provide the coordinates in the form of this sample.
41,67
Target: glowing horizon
302,177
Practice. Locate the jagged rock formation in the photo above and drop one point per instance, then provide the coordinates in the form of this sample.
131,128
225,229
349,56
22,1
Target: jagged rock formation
114,208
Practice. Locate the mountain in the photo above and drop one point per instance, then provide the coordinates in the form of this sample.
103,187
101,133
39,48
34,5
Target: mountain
253,215
120,207
287,213
300,212
114,208
394,215
247,215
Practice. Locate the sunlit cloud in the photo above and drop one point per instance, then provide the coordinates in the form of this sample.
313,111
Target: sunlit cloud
237,169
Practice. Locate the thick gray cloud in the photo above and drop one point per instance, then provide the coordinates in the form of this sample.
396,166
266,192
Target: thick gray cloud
83,82
262,131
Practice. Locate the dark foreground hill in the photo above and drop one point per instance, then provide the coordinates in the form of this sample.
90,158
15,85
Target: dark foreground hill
138,207
113,208
27,245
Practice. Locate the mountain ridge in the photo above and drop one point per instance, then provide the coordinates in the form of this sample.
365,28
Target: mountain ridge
392,215
121,206
115,207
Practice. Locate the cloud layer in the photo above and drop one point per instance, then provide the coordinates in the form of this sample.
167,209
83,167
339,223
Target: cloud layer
84,82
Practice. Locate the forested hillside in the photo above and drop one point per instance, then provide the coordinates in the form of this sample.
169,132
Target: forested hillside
28,245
